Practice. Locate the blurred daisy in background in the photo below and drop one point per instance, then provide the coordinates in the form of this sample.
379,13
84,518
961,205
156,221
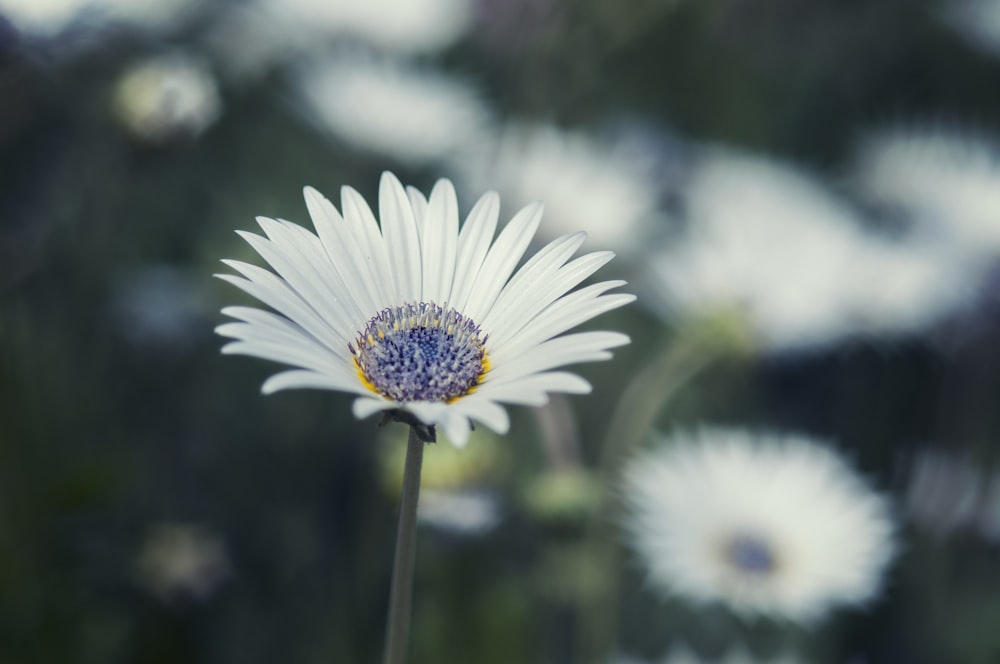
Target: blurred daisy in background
49,18
396,26
978,21
416,317
390,108
906,286
945,183
586,183
682,655
773,525
765,244
166,98
178,562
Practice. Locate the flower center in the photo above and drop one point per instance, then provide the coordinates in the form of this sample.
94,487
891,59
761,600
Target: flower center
420,352
751,555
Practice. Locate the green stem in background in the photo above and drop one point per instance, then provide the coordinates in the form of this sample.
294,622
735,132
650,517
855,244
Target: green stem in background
644,398
397,636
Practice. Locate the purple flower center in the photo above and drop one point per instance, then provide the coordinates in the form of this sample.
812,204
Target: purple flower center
420,352
751,554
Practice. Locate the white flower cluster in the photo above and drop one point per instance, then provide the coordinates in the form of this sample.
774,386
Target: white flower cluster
768,244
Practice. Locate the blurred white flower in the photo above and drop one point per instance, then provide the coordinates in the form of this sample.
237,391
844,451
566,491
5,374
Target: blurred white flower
400,26
769,525
907,285
166,98
738,655
470,512
48,18
586,184
244,42
159,308
766,243
978,21
943,181
41,17
390,108
179,562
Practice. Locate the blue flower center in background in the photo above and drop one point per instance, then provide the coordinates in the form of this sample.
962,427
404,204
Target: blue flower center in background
751,554
420,352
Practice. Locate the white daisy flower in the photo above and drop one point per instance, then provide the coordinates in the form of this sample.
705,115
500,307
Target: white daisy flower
586,183
389,108
769,525
944,181
764,241
770,245
417,317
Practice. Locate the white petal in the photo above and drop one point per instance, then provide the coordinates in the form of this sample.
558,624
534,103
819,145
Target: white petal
296,271
273,292
345,252
532,390
569,349
538,272
563,314
473,243
439,242
484,410
311,380
273,332
455,426
365,406
266,326
452,423
549,381
399,229
534,300
319,286
358,216
418,203
428,412
501,261
297,356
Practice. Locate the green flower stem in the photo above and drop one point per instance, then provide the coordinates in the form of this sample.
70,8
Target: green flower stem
397,636
635,413
646,396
